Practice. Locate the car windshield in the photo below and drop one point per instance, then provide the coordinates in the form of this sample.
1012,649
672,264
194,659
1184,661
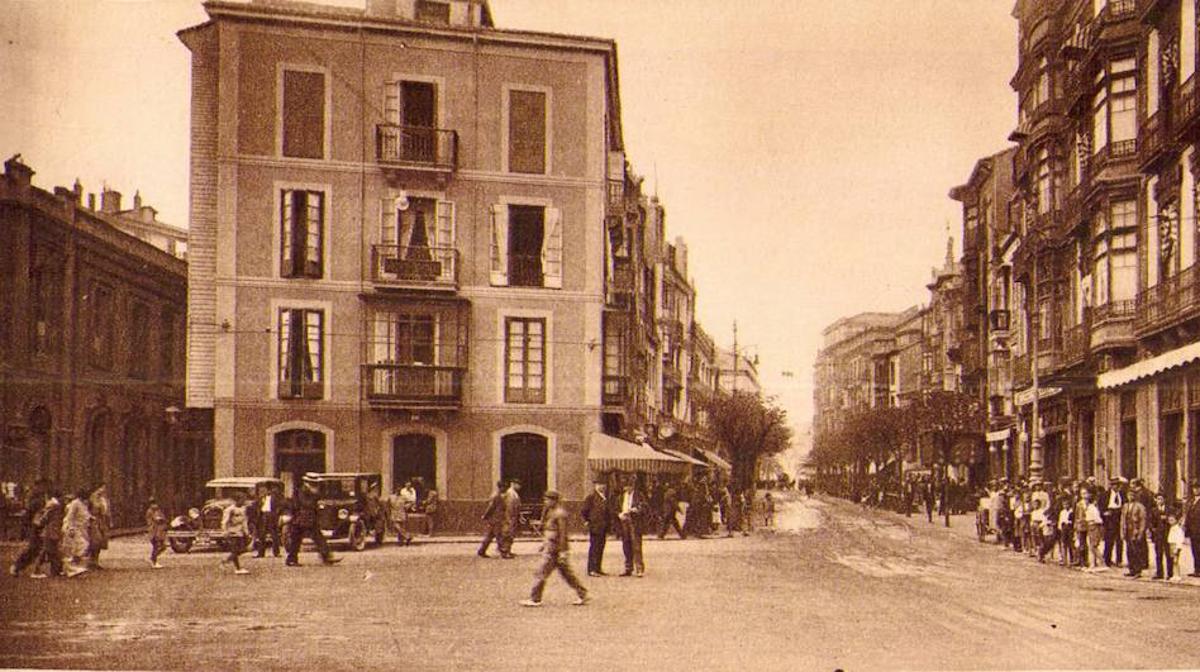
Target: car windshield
338,489
226,492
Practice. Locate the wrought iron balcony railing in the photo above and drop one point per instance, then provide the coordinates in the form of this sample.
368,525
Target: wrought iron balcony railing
414,266
416,147
614,391
1172,300
413,385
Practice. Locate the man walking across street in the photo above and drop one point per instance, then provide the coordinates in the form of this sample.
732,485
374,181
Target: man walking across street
670,506
554,553
1191,528
493,521
266,517
304,524
33,545
629,513
596,514
512,518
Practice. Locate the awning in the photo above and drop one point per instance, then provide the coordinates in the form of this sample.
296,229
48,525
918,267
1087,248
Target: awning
685,457
1149,367
999,435
608,453
1025,396
716,460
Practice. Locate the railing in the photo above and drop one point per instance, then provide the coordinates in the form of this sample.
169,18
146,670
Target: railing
413,385
616,194
1172,299
1076,343
1119,10
415,146
1152,135
414,266
1113,310
1183,105
614,391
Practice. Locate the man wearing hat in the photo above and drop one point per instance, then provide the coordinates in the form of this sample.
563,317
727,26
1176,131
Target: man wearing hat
1133,526
629,513
555,531
595,513
304,524
512,518
1111,503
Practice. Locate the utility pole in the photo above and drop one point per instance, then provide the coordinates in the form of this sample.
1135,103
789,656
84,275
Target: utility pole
735,357
1035,439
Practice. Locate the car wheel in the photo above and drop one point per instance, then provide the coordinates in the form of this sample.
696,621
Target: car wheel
180,545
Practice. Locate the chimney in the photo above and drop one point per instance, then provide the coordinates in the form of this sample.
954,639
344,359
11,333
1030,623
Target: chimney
137,200
110,201
17,171
77,189
92,202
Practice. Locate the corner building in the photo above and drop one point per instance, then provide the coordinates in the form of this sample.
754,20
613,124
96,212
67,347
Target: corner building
397,254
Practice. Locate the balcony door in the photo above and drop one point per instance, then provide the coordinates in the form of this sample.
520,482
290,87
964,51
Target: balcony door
297,452
526,231
418,115
523,456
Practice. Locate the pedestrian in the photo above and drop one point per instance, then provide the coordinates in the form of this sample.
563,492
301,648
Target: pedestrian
1133,527
629,514
1111,506
156,529
101,525
597,515
236,526
33,532
1082,500
670,509
745,515
76,523
1191,527
50,520
1093,524
928,490
397,506
429,506
265,511
556,535
409,495
1066,529
1158,527
1175,539
728,510
493,520
768,511
511,520
304,525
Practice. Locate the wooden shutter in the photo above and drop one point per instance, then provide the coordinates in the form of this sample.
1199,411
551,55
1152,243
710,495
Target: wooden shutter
391,103
445,240
552,242
387,236
313,339
285,354
499,273
287,226
314,234
610,272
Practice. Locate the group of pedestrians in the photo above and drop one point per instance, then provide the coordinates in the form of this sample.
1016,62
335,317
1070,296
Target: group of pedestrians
700,509
66,534
1084,525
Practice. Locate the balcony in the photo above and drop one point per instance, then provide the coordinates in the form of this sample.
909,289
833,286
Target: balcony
620,286
407,267
616,196
998,320
1076,344
1170,302
1153,138
1119,10
1183,107
1120,150
1049,356
1112,324
413,386
417,148
615,390
1021,374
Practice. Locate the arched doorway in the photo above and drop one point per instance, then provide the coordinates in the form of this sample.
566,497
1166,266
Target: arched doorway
414,456
298,451
524,456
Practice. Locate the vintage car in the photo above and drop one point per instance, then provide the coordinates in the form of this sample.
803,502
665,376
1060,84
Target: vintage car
348,507
202,525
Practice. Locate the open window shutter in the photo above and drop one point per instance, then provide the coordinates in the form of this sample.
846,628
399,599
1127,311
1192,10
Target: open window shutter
314,234
285,354
391,102
314,354
287,224
499,274
445,240
552,267
387,221
610,274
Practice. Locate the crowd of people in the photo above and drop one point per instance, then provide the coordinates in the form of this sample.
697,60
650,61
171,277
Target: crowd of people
1084,525
65,534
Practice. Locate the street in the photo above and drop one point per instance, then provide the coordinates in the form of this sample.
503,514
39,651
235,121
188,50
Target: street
833,587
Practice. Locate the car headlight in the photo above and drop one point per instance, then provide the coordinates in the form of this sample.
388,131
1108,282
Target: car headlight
343,514
193,513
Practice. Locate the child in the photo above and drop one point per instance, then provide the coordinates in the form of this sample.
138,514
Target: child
237,531
1175,542
156,526
1094,529
768,510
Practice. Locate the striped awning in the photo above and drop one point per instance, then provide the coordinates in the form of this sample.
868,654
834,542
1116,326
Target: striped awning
685,457
608,453
1149,367
716,460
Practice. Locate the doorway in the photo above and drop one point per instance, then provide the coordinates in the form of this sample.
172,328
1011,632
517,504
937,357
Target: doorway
418,101
414,456
523,456
297,452
1168,471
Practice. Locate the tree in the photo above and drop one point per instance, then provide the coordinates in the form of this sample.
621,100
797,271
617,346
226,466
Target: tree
748,426
946,415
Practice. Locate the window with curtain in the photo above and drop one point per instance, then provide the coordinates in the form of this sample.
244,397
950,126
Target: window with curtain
301,353
302,218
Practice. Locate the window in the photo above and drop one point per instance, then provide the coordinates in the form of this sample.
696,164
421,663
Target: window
1044,194
411,110
1114,105
301,353
525,360
433,12
139,342
1168,240
527,244
102,326
526,132
44,301
303,114
302,226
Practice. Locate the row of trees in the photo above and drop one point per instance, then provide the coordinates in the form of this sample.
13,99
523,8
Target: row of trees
749,426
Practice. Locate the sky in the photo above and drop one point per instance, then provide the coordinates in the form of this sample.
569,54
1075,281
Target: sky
804,149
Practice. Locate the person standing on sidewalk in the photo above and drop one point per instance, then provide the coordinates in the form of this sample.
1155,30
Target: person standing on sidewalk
397,512
156,528
556,532
1158,527
236,526
1133,525
33,541
1112,504
1191,527
629,513
596,514
1093,524
265,509
512,518
493,521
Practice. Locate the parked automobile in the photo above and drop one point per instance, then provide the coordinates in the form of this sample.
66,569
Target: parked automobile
202,525
348,507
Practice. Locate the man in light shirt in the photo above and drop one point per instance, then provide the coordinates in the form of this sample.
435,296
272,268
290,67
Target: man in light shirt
629,513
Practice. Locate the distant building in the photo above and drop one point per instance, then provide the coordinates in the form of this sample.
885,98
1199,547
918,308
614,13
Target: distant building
92,354
737,373
141,221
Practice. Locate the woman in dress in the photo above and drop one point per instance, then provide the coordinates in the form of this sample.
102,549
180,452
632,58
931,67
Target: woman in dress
77,521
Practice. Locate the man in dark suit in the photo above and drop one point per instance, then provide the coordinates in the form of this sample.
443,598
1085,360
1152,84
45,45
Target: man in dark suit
629,507
1111,503
512,518
492,518
596,514
265,514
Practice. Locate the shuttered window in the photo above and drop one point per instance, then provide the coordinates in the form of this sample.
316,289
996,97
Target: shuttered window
527,132
302,226
525,360
303,114
301,353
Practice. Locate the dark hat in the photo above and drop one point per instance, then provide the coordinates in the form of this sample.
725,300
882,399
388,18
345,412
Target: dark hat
552,495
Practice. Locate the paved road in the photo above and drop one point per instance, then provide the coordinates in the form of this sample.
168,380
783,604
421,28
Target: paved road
834,587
